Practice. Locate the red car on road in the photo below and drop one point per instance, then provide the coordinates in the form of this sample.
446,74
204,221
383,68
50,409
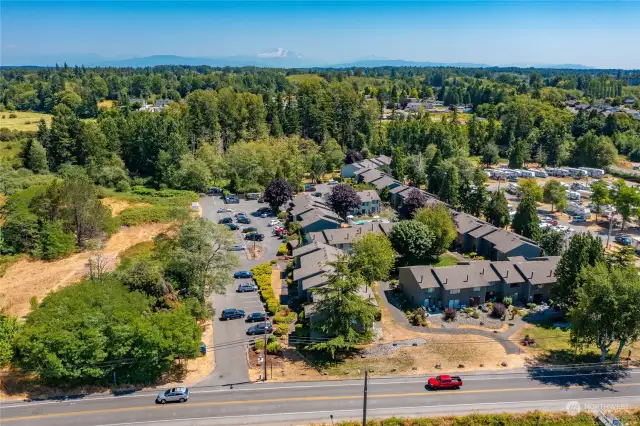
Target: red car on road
445,382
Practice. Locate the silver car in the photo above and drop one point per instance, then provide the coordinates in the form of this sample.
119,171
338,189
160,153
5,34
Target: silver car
173,395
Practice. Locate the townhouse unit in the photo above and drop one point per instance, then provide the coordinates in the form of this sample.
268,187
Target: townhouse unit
343,238
369,203
349,170
313,214
312,263
476,282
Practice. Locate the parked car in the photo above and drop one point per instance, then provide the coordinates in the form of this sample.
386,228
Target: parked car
243,219
254,237
223,210
173,395
225,220
317,194
578,219
261,200
624,240
247,287
236,214
232,226
444,382
228,314
243,274
263,210
309,188
214,191
260,328
249,229
256,317
333,182
231,199
265,215
238,247
275,222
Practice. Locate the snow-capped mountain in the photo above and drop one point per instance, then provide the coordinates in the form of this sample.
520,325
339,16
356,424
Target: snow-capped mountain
280,53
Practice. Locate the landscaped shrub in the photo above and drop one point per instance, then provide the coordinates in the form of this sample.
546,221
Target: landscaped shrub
449,314
498,310
532,305
262,277
283,250
418,317
285,317
259,344
507,301
469,310
273,348
281,330
475,315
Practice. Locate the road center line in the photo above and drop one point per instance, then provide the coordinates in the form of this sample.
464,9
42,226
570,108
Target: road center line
296,399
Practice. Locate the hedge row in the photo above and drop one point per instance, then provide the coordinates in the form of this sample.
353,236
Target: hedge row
262,277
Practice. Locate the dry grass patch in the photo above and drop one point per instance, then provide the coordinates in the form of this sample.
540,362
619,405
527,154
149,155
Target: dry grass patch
118,206
28,278
106,104
24,121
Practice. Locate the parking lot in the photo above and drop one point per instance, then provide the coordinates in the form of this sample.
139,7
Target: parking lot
230,339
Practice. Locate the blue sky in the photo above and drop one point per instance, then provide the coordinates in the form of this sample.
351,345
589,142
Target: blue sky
601,34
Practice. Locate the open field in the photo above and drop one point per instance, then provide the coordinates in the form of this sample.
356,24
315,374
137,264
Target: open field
10,150
28,278
302,78
24,121
117,206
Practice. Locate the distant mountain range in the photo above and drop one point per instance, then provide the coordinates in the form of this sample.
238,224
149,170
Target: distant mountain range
275,58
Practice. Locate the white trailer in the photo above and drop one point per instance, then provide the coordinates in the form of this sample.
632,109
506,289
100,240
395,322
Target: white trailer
584,193
594,173
573,195
526,173
541,173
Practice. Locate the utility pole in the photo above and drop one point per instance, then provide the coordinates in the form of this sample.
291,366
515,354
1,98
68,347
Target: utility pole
610,226
364,403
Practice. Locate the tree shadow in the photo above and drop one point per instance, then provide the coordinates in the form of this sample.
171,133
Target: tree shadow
563,368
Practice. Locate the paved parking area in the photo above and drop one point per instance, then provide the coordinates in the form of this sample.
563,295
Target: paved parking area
230,339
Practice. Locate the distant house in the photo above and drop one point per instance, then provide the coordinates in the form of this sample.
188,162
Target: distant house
349,170
502,244
385,182
370,203
465,223
161,103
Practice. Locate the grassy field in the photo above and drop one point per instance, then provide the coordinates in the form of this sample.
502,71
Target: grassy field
9,151
300,78
553,345
533,418
23,121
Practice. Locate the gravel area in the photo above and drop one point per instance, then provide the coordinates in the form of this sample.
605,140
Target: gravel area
387,349
487,321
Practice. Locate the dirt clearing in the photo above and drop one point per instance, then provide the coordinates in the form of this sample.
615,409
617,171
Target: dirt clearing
28,278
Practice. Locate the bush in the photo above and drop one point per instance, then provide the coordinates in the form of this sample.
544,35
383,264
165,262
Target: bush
469,310
12,115
283,250
273,261
54,242
271,339
418,317
507,301
378,316
449,314
475,315
123,186
262,277
153,214
532,306
498,310
285,318
273,348
259,344
281,330
282,215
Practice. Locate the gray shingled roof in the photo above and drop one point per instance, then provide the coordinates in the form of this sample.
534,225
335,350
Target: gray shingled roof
505,241
371,175
383,182
507,271
465,223
316,262
399,189
346,235
423,275
539,271
368,195
474,274
482,231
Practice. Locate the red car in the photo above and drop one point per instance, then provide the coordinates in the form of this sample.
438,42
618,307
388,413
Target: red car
445,382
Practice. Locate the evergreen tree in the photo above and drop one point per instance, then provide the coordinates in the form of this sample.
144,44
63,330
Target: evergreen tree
433,173
36,157
497,210
525,221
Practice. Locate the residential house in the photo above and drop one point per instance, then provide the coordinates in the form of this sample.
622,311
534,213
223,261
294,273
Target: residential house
396,197
385,181
161,103
369,176
343,238
420,286
476,243
540,274
513,283
464,224
313,214
348,171
369,203
311,266
501,245
466,283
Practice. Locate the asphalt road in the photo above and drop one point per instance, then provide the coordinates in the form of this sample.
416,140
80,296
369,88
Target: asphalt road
230,339
309,402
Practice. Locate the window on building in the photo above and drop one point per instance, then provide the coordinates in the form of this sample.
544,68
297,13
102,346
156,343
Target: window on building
476,289
430,290
514,285
454,291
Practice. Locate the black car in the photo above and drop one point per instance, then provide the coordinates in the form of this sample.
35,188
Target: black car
260,328
225,220
254,237
256,317
247,287
249,229
243,219
232,226
228,314
214,191
263,210
231,199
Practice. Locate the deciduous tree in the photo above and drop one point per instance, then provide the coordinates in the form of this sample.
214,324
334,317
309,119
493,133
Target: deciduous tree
373,256
497,210
343,199
414,241
555,194
278,192
439,221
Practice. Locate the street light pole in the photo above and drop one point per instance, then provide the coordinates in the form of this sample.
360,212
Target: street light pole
264,349
364,403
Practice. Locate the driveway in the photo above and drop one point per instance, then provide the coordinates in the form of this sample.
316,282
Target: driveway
229,337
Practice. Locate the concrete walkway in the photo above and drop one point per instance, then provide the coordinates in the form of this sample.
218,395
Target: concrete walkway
400,318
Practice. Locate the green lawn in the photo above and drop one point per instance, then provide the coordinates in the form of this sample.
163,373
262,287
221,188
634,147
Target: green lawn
301,78
9,151
446,260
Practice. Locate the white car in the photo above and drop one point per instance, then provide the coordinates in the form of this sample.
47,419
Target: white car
333,182
223,210
240,214
274,222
